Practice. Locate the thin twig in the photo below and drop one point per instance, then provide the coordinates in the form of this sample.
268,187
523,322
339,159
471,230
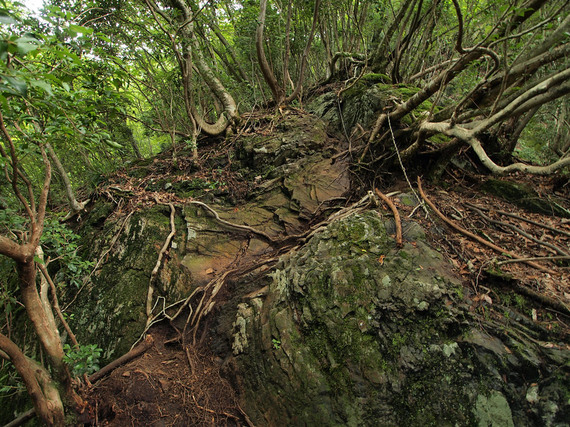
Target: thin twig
536,258
402,164
518,230
530,221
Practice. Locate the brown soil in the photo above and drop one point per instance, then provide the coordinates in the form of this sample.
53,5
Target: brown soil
171,384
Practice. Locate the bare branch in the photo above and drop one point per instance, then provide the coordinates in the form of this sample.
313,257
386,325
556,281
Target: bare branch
268,75
28,206
303,65
553,84
468,135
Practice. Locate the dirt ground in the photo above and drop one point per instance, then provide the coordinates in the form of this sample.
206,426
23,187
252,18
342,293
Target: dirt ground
170,384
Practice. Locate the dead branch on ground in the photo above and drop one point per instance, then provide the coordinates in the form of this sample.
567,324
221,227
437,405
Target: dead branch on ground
518,230
135,352
477,238
397,219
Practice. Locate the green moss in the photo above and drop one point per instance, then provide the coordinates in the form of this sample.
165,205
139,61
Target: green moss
524,196
110,309
374,78
439,138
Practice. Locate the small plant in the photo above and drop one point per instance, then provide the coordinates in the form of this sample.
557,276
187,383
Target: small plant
83,359
276,343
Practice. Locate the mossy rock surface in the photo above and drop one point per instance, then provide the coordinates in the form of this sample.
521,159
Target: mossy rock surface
110,310
362,102
526,197
355,331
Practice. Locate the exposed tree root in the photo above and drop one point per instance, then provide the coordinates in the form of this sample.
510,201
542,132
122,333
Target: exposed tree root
154,272
536,258
518,230
199,308
541,298
231,224
530,221
22,418
397,219
135,352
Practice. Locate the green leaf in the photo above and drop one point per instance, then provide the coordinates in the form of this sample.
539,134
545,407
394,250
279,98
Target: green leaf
43,85
7,20
80,29
103,37
3,50
19,85
113,144
26,44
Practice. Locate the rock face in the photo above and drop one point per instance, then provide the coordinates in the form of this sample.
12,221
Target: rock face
295,178
355,331
110,309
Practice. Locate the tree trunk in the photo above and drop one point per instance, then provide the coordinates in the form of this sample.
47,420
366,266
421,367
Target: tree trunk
73,203
40,387
303,65
276,89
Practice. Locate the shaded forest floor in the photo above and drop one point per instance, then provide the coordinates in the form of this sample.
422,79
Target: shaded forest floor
176,384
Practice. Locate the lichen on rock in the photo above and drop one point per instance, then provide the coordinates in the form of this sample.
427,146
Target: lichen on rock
355,331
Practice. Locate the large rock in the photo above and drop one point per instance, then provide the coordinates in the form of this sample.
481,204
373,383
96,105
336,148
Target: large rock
355,331
304,180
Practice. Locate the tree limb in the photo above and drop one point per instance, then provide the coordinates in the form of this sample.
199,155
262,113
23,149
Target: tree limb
47,405
137,351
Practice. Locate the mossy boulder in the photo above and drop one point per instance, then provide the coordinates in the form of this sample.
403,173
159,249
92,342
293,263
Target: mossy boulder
294,137
355,331
526,197
109,310
362,102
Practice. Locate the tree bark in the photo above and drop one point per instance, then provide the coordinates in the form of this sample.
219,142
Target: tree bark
213,83
303,65
276,89
42,390
73,203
